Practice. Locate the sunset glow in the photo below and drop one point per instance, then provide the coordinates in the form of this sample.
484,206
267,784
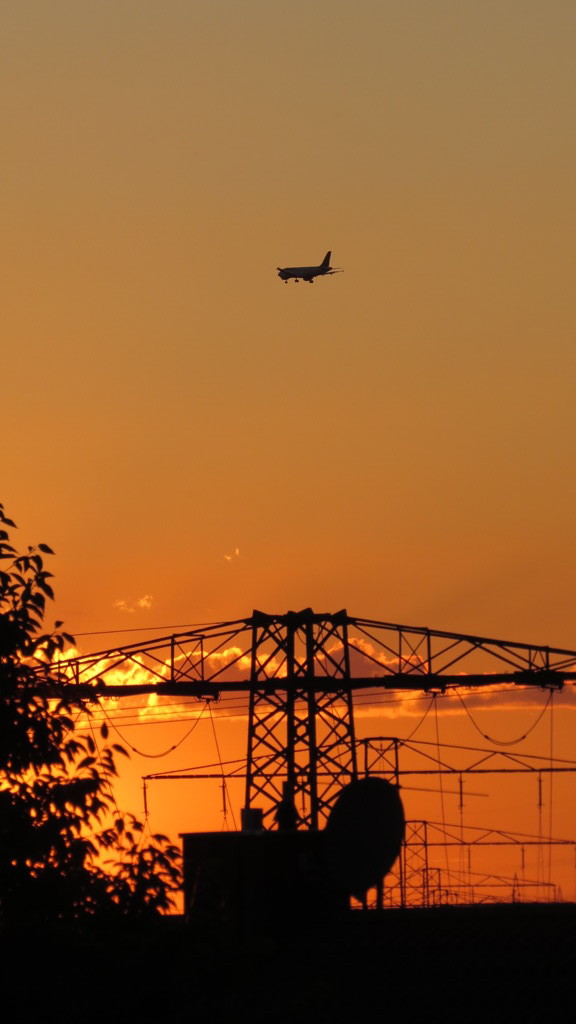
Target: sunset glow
196,440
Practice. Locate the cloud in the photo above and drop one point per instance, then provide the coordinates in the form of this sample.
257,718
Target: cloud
143,603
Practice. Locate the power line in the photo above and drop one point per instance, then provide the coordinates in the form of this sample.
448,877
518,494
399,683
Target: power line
239,707
145,629
507,743
163,753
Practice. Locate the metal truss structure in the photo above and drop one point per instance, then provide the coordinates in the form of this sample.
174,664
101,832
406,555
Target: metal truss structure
381,756
300,739
418,881
300,671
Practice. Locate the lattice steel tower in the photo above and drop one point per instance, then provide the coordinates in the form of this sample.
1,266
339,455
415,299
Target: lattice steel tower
301,743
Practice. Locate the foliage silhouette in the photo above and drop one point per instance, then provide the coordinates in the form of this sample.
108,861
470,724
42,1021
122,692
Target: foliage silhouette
66,853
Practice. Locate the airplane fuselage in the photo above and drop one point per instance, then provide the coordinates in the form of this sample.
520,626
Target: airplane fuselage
306,273
300,273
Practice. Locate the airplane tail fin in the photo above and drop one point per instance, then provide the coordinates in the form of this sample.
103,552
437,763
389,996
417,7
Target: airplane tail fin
326,260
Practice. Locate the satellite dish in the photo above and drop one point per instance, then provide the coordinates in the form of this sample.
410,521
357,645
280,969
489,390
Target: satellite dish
365,830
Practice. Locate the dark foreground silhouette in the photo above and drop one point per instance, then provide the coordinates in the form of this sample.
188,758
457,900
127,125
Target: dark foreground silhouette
500,963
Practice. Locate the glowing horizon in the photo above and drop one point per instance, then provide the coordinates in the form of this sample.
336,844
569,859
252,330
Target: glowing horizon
193,438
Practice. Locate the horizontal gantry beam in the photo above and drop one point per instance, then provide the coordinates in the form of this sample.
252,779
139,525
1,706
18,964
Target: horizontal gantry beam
423,684
309,652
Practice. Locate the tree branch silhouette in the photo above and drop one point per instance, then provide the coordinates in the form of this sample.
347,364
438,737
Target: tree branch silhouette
65,851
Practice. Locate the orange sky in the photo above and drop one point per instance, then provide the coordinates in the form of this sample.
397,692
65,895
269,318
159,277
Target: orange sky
398,439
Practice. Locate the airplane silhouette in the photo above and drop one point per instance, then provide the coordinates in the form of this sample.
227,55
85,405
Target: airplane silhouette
307,273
